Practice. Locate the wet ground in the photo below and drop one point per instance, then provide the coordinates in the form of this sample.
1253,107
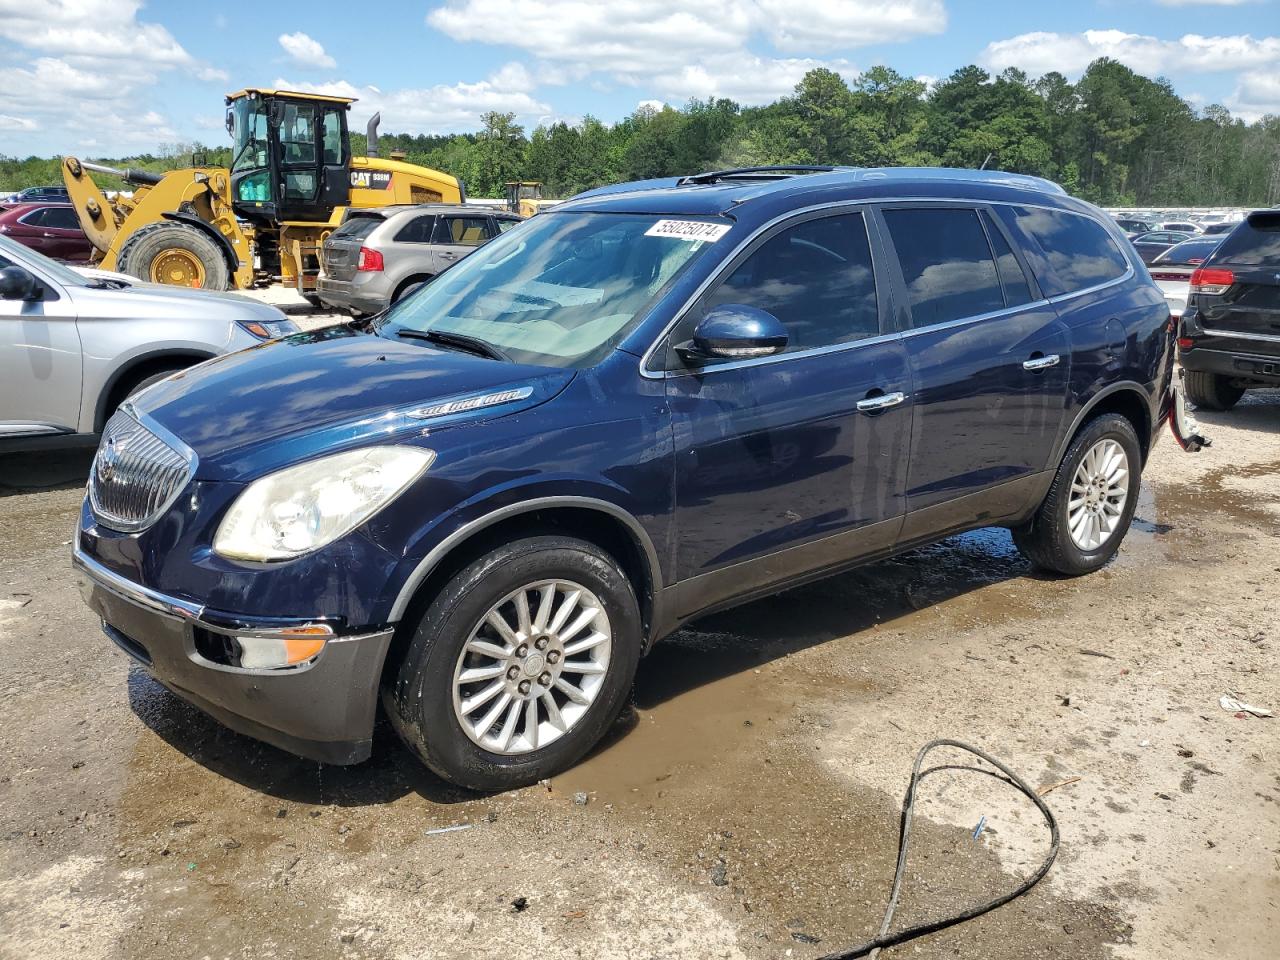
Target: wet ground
746,806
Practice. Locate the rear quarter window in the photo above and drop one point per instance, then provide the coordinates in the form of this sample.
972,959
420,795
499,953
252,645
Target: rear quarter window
1256,241
1075,251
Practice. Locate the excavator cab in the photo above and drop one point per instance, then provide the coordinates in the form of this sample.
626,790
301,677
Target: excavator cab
290,155
524,196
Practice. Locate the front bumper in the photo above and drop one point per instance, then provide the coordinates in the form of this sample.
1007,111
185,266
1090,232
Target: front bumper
323,709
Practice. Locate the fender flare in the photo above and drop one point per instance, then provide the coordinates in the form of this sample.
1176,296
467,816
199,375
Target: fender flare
228,251
1131,386
469,529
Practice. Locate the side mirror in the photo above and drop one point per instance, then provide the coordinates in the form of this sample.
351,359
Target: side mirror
17,284
734,331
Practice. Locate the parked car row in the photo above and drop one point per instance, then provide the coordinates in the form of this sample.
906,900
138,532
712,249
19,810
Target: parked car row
483,507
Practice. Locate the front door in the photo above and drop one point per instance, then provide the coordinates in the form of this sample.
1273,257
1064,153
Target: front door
990,361
778,471
39,364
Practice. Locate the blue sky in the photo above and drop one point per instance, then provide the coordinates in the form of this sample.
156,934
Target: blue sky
112,77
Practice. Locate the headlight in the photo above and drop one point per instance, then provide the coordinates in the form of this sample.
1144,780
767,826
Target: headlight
302,508
270,329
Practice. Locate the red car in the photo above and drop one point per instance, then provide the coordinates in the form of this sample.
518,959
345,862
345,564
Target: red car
50,228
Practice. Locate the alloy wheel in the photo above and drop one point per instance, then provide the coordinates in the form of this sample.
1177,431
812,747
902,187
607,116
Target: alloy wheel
532,666
1099,491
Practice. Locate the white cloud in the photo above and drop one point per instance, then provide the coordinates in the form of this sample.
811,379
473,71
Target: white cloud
305,51
747,79
443,108
1256,95
16,123
681,49
83,63
840,25
1070,53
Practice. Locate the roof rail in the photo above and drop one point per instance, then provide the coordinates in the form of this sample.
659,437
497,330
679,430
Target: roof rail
756,173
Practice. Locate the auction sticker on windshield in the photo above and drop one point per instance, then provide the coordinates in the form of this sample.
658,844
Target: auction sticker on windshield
688,230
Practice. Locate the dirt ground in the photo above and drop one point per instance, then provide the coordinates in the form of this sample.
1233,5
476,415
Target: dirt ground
746,806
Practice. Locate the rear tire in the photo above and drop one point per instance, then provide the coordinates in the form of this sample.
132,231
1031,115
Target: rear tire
1212,391
1061,536
429,698
176,254
408,287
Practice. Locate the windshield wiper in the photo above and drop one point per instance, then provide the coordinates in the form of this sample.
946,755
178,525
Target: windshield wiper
459,341
106,283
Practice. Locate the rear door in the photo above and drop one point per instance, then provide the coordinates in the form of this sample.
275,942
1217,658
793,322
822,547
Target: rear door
67,240
989,359
457,235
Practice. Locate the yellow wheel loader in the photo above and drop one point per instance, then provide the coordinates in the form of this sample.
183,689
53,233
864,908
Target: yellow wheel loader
292,178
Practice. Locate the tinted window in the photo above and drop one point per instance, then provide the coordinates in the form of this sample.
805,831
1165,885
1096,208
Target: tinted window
35,218
417,230
1014,282
1255,241
332,119
816,277
1079,250
61,218
1188,251
946,263
466,231
357,228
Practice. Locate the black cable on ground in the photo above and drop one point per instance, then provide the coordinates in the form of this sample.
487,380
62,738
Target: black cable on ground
885,939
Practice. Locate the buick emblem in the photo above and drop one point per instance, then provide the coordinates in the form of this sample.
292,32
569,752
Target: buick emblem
107,460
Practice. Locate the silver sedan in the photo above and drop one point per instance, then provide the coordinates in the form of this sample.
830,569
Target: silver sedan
74,345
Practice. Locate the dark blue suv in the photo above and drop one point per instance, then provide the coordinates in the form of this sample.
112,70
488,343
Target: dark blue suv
658,399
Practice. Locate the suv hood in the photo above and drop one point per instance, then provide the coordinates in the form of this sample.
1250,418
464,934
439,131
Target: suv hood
250,413
155,300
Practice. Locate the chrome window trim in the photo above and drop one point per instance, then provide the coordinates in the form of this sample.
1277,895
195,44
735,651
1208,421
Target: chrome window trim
835,206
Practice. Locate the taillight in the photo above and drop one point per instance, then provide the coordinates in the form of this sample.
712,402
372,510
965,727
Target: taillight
370,260
1211,280
1185,343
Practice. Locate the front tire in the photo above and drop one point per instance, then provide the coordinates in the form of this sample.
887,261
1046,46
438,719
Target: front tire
1090,504
1211,391
519,665
176,254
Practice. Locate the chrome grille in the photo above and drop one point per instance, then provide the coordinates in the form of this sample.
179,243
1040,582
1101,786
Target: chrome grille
135,475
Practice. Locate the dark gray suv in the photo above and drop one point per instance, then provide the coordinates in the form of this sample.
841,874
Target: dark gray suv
379,256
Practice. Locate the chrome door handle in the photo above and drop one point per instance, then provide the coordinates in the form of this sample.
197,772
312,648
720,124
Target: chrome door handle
1041,363
882,402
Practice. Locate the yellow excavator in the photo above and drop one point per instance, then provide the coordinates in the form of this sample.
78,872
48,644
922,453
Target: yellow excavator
291,180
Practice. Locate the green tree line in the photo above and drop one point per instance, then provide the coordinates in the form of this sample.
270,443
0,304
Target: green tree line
1114,137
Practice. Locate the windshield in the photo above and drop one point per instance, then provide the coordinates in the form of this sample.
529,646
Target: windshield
1188,251
561,291
249,134
14,254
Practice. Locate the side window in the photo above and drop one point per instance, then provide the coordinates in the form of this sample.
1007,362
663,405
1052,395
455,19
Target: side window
465,231
504,224
417,230
1079,251
947,264
816,277
1014,282
36,218
61,218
